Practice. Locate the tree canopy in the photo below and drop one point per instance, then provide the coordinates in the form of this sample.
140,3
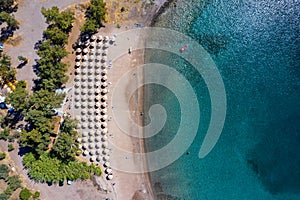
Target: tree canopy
63,20
9,19
66,146
7,73
95,16
19,98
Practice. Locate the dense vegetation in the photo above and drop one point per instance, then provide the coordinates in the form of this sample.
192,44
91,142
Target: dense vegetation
7,7
13,182
8,74
50,160
95,15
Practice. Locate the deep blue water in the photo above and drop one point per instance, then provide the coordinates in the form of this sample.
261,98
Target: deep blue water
256,47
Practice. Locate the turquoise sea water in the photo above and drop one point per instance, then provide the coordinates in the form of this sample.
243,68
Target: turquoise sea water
256,47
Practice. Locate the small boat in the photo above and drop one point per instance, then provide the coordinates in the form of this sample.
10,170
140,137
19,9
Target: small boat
183,48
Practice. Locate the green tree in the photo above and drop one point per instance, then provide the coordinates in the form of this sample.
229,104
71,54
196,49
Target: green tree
89,27
66,146
63,20
14,182
97,11
95,16
3,196
56,35
9,19
10,147
4,133
3,172
2,156
52,53
25,194
36,194
15,97
7,73
28,159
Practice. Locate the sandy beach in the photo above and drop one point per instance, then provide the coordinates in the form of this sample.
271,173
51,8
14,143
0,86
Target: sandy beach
124,185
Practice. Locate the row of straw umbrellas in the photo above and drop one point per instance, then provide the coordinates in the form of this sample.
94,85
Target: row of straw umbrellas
91,100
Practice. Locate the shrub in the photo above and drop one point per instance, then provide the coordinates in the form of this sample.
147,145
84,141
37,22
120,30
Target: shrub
3,172
25,194
13,182
4,133
36,194
10,147
2,156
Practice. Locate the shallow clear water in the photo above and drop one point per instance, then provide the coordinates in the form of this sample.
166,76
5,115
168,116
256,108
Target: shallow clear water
256,47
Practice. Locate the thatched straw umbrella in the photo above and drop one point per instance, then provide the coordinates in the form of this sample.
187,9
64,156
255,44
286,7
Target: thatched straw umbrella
77,79
84,64
83,72
92,152
105,144
109,177
98,158
97,139
104,91
83,119
104,78
105,151
93,159
83,91
90,72
104,118
106,158
83,125
104,98
112,39
89,79
91,145
97,72
85,152
103,111
86,43
85,51
104,138
100,37
78,50
85,58
104,66
98,58
106,164
106,38
83,112
91,58
78,57
93,38
91,125
98,65
98,152
97,146
108,171
83,104
77,64
104,131
104,58
103,124
77,105
97,111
